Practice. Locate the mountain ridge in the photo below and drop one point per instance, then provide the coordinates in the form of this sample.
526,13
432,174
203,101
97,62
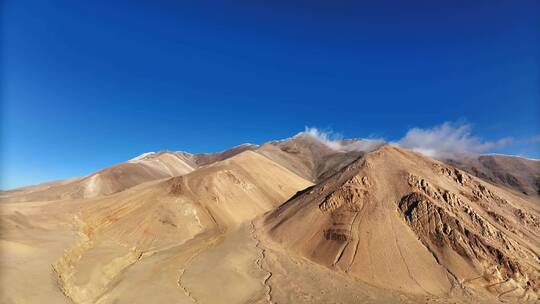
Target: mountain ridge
379,225
370,203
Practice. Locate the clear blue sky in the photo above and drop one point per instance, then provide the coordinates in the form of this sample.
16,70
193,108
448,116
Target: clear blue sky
86,84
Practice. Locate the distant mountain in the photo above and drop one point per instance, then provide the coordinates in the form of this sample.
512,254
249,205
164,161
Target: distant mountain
519,174
147,167
310,157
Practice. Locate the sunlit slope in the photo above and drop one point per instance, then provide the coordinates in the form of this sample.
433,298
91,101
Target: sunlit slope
247,225
403,221
144,168
168,220
106,181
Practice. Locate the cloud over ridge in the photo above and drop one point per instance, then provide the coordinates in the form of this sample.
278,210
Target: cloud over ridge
335,141
447,140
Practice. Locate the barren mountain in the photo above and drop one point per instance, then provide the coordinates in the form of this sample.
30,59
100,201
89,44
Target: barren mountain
165,220
293,221
144,168
402,221
310,157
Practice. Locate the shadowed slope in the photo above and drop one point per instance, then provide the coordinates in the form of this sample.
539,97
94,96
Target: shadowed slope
519,174
309,157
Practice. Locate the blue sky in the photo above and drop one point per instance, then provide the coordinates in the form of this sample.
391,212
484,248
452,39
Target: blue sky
86,84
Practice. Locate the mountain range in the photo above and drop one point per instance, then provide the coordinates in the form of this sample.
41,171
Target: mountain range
288,221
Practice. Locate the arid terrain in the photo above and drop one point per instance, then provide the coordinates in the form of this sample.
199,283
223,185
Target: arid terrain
290,221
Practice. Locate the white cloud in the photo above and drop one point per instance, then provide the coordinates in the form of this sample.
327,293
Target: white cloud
335,141
448,140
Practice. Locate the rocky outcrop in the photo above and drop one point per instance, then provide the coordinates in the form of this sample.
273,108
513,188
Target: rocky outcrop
353,195
444,220
405,222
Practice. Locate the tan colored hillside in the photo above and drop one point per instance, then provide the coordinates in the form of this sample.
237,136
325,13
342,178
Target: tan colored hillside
248,225
79,250
107,181
399,220
144,168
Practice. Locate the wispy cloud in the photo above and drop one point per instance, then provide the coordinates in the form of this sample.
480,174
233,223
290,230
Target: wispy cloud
448,140
335,141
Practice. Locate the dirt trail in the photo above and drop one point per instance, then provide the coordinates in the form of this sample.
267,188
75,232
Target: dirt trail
259,262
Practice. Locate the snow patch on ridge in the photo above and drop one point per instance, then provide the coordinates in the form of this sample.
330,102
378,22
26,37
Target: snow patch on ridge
510,155
140,157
